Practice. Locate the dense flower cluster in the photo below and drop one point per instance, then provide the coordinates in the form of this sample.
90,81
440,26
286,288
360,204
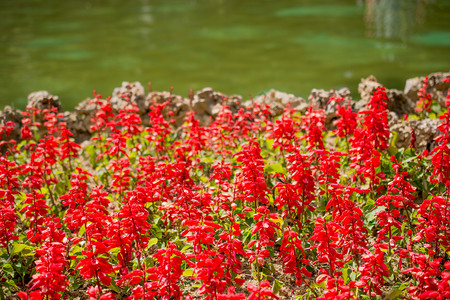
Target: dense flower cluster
248,207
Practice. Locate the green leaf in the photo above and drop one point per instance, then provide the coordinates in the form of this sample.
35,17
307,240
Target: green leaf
319,285
269,143
409,152
394,139
273,169
392,150
114,287
148,262
436,108
8,269
17,248
412,158
113,251
371,216
20,197
345,274
277,286
90,149
151,242
189,273
185,248
209,160
395,294
133,157
270,198
23,249
352,276
77,284
82,230
12,284
403,227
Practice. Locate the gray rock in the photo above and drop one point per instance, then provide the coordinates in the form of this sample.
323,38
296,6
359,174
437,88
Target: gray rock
367,86
79,121
10,114
399,102
177,104
129,92
208,103
42,99
278,101
436,87
426,131
38,103
321,99
79,124
412,87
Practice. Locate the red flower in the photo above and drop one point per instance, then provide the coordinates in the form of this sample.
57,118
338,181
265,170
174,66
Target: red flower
262,291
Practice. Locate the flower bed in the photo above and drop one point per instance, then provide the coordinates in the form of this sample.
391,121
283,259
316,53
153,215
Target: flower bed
248,207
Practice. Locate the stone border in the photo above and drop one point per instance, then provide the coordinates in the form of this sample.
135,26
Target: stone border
207,103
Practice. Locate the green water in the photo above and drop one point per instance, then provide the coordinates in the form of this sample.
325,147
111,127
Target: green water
234,46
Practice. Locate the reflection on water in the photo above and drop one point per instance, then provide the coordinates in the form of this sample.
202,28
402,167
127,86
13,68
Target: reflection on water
237,47
393,18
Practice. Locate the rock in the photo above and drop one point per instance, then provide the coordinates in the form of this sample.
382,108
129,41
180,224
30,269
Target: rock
79,124
278,101
399,102
10,114
412,87
207,104
426,131
367,87
178,105
42,100
159,97
133,92
436,87
321,99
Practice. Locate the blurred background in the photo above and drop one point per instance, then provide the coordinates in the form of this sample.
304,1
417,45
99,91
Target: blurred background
242,47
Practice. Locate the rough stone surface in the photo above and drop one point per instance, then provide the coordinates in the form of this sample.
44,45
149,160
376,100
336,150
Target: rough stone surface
10,114
177,104
436,87
425,131
42,100
135,93
367,86
79,121
399,102
278,101
321,99
412,87
79,125
208,103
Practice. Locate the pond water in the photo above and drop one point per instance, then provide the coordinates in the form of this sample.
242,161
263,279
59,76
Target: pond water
234,46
